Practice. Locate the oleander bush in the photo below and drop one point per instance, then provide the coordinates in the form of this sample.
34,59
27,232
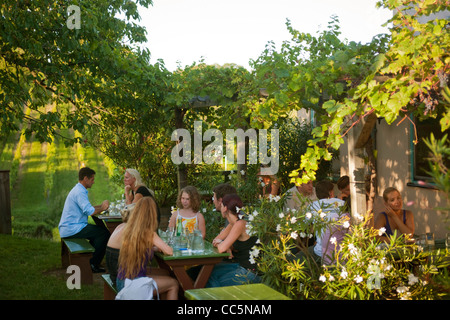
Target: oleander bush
364,267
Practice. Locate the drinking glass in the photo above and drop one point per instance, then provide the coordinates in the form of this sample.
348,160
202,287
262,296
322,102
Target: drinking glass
170,236
180,242
112,209
198,244
163,235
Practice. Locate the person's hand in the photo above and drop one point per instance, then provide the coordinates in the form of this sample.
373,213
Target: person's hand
389,211
127,189
105,205
216,241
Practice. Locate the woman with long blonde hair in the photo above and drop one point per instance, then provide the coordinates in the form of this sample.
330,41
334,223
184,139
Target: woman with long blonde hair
135,188
139,240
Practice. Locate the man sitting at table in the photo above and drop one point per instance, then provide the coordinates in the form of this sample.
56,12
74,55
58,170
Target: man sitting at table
74,218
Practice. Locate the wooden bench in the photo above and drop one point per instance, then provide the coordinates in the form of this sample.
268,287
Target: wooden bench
78,252
109,288
257,291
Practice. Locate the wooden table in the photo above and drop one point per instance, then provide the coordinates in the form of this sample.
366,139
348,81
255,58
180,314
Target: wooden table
181,261
111,222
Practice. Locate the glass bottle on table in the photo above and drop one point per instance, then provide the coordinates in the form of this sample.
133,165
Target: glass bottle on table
179,227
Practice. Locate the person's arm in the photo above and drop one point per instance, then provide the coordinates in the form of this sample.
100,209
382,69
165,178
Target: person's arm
161,245
101,207
380,222
237,229
404,228
222,235
275,186
137,196
173,220
128,195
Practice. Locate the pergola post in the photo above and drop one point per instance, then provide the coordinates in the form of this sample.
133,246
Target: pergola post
5,203
358,136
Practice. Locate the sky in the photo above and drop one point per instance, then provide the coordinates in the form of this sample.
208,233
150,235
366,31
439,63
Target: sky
234,31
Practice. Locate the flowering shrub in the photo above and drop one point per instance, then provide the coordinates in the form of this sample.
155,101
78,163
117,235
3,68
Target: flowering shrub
363,268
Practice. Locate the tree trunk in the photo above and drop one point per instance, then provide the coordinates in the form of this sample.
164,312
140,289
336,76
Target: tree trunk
182,168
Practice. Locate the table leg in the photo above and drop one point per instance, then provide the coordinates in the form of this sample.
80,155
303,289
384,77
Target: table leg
203,276
183,278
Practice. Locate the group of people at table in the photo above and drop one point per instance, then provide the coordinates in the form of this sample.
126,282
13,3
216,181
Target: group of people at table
130,248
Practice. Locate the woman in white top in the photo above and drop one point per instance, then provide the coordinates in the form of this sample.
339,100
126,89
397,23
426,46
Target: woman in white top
188,204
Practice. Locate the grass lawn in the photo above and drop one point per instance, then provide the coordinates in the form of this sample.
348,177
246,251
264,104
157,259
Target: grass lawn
30,261
30,269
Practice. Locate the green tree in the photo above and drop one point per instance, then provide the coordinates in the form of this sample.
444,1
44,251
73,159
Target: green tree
309,72
98,69
406,79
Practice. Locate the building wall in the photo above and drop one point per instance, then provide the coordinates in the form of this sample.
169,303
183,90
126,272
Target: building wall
394,170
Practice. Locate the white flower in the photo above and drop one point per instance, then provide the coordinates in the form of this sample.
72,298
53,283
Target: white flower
333,240
344,274
358,279
281,215
353,250
331,278
273,198
204,210
381,231
252,261
402,289
359,217
278,227
293,220
322,278
412,279
346,225
322,215
250,218
302,234
308,215
294,235
255,213
243,172
254,252
238,209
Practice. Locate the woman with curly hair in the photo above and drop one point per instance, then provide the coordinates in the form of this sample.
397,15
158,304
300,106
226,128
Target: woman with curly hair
188,206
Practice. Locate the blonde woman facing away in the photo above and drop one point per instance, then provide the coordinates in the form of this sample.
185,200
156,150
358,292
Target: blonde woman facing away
137,241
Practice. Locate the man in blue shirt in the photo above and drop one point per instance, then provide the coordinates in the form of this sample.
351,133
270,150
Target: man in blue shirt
74,219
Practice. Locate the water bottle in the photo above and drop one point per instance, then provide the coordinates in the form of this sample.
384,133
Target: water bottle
179,227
